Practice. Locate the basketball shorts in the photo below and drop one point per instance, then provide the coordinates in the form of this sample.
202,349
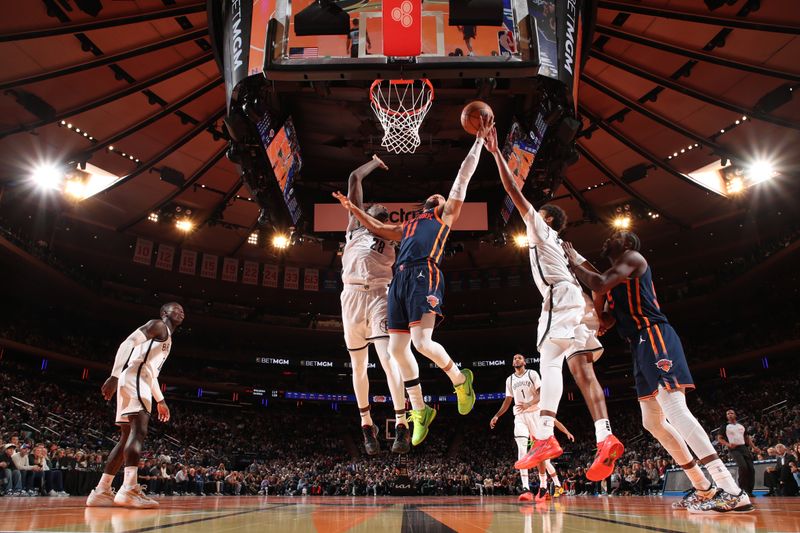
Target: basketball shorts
658,360
567,313
364,315
133,394
416,289
525,424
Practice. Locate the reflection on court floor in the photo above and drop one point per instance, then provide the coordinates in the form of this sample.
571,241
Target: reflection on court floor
372,515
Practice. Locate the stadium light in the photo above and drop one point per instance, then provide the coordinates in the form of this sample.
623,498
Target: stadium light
184,224
280,241
152,217
760,170
253,238
75,189
521,240
47,176
735,185
621,222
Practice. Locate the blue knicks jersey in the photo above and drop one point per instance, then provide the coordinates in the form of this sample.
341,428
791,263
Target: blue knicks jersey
423,239
634,305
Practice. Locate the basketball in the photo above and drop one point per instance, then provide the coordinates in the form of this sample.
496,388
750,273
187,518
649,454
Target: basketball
472,113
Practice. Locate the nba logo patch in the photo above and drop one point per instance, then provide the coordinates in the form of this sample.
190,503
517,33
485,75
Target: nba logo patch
433,301
664,365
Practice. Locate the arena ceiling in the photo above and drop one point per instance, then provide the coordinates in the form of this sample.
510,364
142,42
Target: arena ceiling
664,77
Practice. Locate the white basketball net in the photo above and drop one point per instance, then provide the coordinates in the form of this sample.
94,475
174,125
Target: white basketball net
401,106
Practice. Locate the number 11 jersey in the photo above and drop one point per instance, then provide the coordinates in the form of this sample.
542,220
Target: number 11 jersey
367,259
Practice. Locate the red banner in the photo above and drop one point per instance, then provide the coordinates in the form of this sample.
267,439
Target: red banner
250,274
402,28
143,251
166,257
311,279
270,276
208,269
291,278
188,262
230,269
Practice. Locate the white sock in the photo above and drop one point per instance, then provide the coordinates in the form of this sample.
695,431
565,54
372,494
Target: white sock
525,483
366,416
131,476
542,481
400,418
722,477
555,479
544,430
105,481
697,478
551,471
455,375
602,429
415,394
552,355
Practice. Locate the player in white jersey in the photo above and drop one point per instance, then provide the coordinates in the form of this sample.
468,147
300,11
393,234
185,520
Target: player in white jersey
134,378
567,329
523,388
367,263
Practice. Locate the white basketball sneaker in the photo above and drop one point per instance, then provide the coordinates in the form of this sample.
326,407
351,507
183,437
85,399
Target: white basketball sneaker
134,497
101,497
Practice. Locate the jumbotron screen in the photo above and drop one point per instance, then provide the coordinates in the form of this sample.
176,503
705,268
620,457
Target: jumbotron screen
283,153
520,151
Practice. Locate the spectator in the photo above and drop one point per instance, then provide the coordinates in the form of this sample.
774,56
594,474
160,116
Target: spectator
31,474
787,486
12,479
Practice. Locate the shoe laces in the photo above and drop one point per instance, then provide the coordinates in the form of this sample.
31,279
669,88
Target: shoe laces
416,416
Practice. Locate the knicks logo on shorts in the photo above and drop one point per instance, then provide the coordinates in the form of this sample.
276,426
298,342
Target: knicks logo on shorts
664,365
433,301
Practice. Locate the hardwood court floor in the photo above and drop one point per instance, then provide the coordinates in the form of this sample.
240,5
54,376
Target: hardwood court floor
373,515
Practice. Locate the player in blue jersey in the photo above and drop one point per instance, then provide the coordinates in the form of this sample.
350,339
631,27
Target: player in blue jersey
660,371
416,293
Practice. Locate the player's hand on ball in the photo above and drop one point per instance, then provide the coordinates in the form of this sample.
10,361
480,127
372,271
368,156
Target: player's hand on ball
572,255
343,200
493,422
487,125
163,411
379,161
109,388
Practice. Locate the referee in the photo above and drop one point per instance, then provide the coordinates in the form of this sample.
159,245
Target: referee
734,435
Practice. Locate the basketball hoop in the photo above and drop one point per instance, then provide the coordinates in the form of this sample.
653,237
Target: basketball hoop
401,106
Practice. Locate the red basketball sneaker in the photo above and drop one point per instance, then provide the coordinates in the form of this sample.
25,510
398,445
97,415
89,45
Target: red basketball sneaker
608,452
526,496
540,450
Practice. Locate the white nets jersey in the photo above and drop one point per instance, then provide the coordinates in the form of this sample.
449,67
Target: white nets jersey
150,356
524,389
549,263
367,259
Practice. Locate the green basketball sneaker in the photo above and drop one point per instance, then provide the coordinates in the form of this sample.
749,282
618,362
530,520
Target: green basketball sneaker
466,396
421,418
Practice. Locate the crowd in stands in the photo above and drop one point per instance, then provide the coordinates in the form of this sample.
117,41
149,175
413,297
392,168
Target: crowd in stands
51,427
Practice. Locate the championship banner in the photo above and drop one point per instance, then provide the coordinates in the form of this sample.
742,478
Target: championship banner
208,268
143,251
250,274
166,257
291,278
402,28
270,276
230,269
311,279
188,262
333,217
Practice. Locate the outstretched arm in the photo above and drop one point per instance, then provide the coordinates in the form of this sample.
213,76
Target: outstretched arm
506,176
621,270
355,192
392,232
458,193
